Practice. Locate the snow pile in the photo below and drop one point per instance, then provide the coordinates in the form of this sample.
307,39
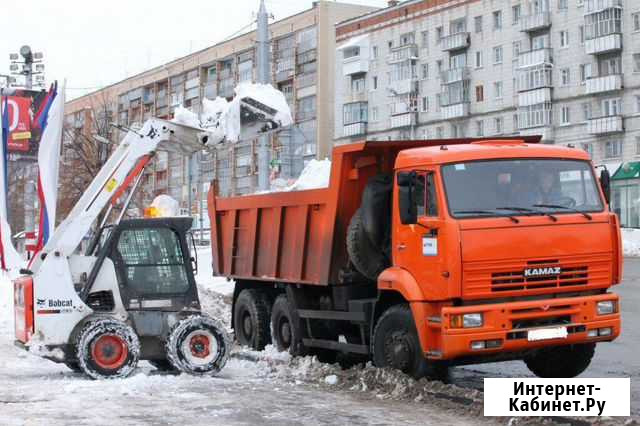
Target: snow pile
222,118
315,175
166,205
630,241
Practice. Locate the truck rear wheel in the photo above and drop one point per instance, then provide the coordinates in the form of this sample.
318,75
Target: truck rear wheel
251,319
198,345
396,345
285,332
368,260
107,349
561,361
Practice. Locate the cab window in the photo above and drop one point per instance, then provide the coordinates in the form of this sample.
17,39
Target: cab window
425,195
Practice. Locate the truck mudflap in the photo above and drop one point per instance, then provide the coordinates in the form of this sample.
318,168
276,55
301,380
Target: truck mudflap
23,308
520,326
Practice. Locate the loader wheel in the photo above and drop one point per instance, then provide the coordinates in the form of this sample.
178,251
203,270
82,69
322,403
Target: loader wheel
107,349
198,345
367,259
285,332
251,319
561,361
396,345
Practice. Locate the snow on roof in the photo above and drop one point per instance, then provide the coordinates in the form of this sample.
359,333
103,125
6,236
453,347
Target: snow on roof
354,41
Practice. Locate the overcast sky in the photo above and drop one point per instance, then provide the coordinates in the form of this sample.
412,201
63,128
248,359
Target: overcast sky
94,43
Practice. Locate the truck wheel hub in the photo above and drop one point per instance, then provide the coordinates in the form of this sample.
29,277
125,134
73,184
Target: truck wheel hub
199,346
398,351
109,351
247,326
285,333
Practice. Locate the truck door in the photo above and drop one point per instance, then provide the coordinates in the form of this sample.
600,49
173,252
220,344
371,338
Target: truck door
418,246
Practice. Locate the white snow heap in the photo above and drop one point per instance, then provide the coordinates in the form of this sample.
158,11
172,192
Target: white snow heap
222,118
167,206
315,175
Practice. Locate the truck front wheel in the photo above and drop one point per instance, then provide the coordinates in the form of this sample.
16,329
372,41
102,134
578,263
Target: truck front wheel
561,361
251,319
396,345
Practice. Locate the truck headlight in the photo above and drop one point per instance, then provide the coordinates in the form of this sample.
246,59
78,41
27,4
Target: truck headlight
466,320
606,307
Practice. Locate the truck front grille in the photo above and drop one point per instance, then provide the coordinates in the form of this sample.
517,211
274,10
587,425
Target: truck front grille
517,280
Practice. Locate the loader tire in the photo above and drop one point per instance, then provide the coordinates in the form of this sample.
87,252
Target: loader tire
107,349
561,361
368,260
251,319
198,345
396,345
286,333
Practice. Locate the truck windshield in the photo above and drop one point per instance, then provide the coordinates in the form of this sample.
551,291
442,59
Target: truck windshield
520,187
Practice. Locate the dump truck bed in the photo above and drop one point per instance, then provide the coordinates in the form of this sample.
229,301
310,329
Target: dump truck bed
299,236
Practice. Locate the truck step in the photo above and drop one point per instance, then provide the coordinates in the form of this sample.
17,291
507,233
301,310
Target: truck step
336,346
333,315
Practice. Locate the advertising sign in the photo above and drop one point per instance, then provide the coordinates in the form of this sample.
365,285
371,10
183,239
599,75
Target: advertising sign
24,137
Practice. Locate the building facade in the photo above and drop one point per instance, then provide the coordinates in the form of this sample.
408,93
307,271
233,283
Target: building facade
303,60
568,70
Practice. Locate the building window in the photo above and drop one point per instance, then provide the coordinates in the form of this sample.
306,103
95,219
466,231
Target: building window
517,46
497,55
374,83
425,71
638,104
588,148
480,93
358,84
439,34
636,62
497,89
516,12
499,125
374,52
566,115
355,113
613,149
390,44
497,20
477,23
581,31
586,111
637,145
438,101
563,4
564,38
565,76
479,128
374,114
515,123
425,38
585,72
636,21
439,132
425,104
439,65
611,107
479,59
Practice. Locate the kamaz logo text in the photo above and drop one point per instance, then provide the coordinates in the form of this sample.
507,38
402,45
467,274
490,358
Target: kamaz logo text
542,272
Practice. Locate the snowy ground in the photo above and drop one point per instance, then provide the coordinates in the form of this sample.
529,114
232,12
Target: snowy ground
266,387
631,242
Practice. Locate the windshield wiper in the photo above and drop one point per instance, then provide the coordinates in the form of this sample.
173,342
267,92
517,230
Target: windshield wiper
558,206
527,210
491,212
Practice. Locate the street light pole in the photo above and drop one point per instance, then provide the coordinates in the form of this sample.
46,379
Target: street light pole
264,77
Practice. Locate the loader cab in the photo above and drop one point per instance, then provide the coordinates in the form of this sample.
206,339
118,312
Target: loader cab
154,262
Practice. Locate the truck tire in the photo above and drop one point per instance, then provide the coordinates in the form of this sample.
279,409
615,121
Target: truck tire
285,332
251,319
396,345
107,349
561,361
366,258
198,345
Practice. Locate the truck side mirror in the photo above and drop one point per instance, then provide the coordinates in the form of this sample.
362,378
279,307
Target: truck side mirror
406,198
605,183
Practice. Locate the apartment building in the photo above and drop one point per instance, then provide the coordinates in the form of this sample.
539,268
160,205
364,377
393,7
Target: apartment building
303,61
568,70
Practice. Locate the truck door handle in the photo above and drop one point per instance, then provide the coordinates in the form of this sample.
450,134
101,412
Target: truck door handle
401,246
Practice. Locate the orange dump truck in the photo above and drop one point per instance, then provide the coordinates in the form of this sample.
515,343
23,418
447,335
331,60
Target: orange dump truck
425,254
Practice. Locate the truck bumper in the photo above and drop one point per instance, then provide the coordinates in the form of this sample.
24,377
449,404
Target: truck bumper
506,326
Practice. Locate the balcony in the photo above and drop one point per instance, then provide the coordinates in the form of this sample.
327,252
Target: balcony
354,129
354,65
604,84
595,6
604,44
399,87
454,75
535,21
534,97
404,120
605,125
403,53
455,41
455,111
353,96
537,77
535,57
